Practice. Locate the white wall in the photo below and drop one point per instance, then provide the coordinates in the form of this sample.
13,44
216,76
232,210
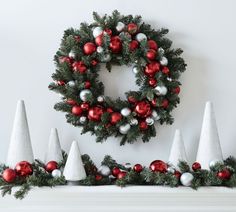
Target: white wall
30,33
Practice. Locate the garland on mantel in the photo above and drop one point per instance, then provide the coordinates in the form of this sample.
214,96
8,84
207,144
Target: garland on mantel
112,173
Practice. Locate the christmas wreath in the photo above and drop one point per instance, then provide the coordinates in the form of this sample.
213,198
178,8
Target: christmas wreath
117,40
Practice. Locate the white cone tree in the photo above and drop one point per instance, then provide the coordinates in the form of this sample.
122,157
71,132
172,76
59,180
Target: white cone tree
209,148
177,152
20,147
74,168
54,152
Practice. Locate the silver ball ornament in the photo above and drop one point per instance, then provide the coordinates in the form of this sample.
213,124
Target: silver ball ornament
97,31
171,170
104,170
161,51
120,26
128,166
100,98
106,58
160,90
186,179
149,121
133,122
82,119
56,173
155,115
140,37
100,49
71,83
164,61
214,162
83,94
135,70
124,129
72,54
125,112
169,79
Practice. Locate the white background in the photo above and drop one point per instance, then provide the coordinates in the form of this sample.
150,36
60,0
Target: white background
30,33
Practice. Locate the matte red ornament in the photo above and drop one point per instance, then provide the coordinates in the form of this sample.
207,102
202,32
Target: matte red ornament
50,166
165,70
98,177
132,28
196,166
23,169
79,66
89,48
94,62
152,68
95,113
143,125
152,82
176,90
115,117
115,171
138,168
143,109
151,54
77,110
224,174
177,174
133,45
115,44
152,45
71,101
66,60
121,175
165,103
87,84
158,166
9,175
61,83
99,40
84,106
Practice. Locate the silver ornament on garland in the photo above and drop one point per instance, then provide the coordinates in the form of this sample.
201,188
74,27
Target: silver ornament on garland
106,58
104,170
56,173
140,37
83,94
161,51
125,112
160,90
155,115
169,79
214,162
128,166
149,121
171,170
97,31
135,70
124,129
82,119
120,26
72,54
71,83
100,99
164,61
186,179
133,122
100,49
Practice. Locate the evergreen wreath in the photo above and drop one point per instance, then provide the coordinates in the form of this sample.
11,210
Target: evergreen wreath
117,40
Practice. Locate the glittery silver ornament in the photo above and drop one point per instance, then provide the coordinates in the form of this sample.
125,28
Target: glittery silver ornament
125,112
104,170
135,69
56,173
171,169
72,54
82,119
186,179
71,83
124,128
97,31
128,166
161,51
106,58
83,94
160,90
155,115
100,49
120,26
164,61
100,98
133,122
140,37
149,121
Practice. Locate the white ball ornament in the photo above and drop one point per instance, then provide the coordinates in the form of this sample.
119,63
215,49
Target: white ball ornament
120,26
56,173
186,179
125,112
71,83
72,54
155,115
161,90
133,122
135,69
100,98
124,129
149,121
140,37
97,31
164,61
104,170
83,94
99,49
82,119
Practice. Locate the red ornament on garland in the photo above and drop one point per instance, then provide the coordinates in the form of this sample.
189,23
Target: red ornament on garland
61,83
151,54
152,82
154,102
94,62
133,45
152,45
158,166
79,66
115,117
196,166
99,40
71,101
66,60
9,175
143,109
110,110
143,125
77,110
176,90
98,177
115,44
132,100
24,169
95,113
121,175
115,171
224,174
165,103
51,165
108,31
165,70
177,174
87,84
152,68
138,168
132,28
89,48
77,38
84,106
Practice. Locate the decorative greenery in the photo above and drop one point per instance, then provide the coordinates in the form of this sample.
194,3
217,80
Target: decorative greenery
71,51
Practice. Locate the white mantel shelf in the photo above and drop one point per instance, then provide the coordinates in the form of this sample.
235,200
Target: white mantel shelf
131,198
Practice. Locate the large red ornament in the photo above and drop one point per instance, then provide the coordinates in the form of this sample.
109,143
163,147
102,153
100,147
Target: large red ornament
224,174
66,60
158,166
89,48
115,117
99,40
133,45
115,171
151,54
138,168
121,175
79,66
9,175
95,113
152,45
132,28
51,165
71,101
115,44
152,82
165,103
152,68
77,110
84,106
143,109
165,70
196,166
24,169
143,125
176,90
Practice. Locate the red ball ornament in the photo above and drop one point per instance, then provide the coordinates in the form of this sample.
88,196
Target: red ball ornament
60,82
132,28
51,165
138,168
196,166
154,102
177,174
115,44
152,45
84,106
98,177
115,171
165,103
165,70
9,175
66,60
99,40
152,68
95,113
77,110
176,90
89,48
143,109
115,117
224,174
132,100
158,166
143,125
121,175
133,45
151,54
94,62
71,101
152,82
87,84
79,66
108,31
23,169
109,110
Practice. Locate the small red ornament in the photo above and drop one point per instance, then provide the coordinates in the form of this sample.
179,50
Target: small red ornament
89,48
151,54
152,45
115,44
176,90
77,110
77,38
132,100
51,165
108,31
152,82
23,169
196,166
71,101
165,103
66,60
133,45
138,168
143,109
115,171
132,28
61,83
87,84
95,113
84,106
224,174
98,177
99,40
177,174
9,175
121,175
152,68
143,125
94,62
154,102
158,166
110,110
115,117
165,70
79,66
